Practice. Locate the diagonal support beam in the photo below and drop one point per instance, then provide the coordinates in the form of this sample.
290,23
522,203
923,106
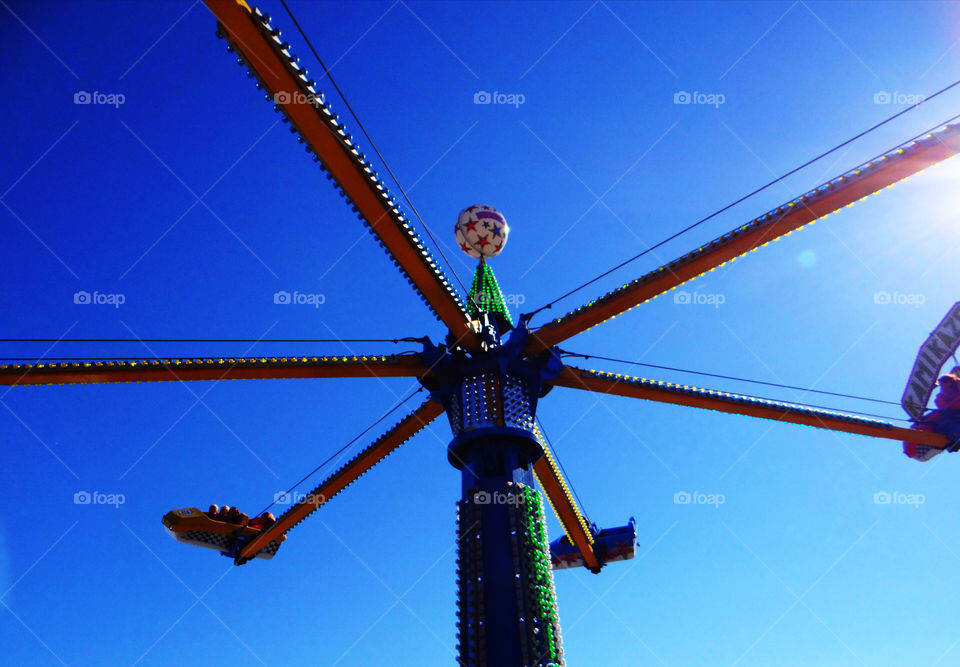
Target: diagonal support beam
666,392
186,370
869,178
258,46
346,475
565,506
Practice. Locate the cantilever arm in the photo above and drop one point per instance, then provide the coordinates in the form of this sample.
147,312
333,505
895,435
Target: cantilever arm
866,179
258,46
666,392
361,463
185,370
564,506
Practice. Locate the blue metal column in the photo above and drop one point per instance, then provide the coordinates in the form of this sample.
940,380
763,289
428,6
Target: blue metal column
506,608
506,611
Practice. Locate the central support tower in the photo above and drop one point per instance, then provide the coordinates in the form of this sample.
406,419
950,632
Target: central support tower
506,601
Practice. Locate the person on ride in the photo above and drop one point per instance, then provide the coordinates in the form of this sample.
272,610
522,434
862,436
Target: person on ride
949,396
263,521
233,515
948,409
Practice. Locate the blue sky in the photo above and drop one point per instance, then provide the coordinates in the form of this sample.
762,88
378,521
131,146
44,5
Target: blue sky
191,201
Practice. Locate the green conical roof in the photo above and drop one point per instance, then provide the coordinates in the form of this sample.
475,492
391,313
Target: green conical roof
485,295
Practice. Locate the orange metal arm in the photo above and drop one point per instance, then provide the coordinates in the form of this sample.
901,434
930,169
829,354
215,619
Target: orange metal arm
665,392
564,506
819,202
346,475
262,52
168,370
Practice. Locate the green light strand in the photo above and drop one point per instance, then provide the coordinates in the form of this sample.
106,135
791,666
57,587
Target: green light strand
485,295
542,584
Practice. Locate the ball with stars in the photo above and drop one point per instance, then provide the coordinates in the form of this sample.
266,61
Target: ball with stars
481,231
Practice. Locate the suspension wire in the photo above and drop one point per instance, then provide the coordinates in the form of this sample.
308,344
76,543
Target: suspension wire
559,463
730,377
758,190
769,384
372,144
395,341
340,451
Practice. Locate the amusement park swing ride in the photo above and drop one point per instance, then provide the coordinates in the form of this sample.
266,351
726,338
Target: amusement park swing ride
488,373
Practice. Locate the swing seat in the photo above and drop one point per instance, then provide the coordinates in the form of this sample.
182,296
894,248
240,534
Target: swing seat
192,526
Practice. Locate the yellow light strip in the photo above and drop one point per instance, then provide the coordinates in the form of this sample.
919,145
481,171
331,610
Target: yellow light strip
565,488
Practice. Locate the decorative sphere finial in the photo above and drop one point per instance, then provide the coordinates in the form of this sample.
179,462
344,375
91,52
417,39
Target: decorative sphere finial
481,231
